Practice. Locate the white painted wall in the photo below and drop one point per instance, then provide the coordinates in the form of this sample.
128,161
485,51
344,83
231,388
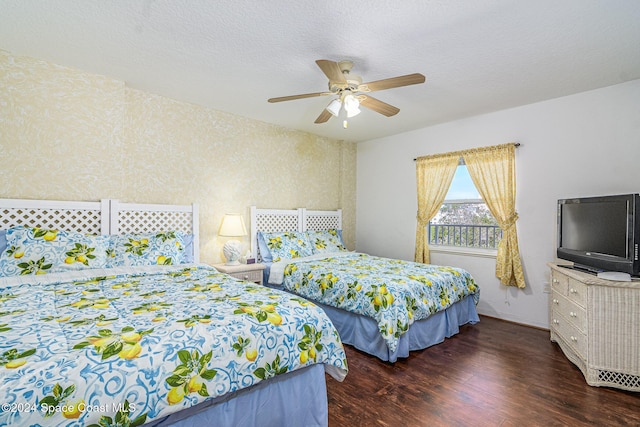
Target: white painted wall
586,144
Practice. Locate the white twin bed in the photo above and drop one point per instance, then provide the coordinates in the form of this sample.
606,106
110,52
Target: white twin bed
383,307
131,330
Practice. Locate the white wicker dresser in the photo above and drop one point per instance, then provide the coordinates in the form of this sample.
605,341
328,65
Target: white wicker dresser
596,323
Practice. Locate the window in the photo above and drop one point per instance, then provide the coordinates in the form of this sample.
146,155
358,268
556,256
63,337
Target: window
464,219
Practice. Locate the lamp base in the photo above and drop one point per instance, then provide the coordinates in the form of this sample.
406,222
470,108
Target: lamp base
231,251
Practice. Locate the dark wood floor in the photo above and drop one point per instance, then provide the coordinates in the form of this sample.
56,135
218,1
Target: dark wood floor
494,373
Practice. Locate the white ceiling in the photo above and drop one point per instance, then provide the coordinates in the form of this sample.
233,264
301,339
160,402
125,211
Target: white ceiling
232,55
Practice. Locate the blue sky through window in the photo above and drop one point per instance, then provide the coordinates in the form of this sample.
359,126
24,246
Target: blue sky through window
462,186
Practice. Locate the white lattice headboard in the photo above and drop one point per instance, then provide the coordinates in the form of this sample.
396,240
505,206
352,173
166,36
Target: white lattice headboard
301,219
321,220
107,216
81,217
148,218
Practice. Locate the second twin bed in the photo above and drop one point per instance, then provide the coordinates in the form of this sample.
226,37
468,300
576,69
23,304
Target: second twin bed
384,307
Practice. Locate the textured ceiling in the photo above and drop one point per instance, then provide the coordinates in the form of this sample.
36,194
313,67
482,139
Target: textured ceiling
232,55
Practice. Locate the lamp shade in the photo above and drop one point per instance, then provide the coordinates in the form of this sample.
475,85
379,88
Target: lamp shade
334,107
351,105
232,226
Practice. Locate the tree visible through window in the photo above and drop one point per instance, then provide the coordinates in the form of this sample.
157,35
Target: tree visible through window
464,219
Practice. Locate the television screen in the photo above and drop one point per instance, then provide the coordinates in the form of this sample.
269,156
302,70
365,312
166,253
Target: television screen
600,233
599,227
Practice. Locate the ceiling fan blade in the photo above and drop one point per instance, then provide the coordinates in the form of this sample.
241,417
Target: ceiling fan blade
332,70
301,96
378,106
323,117
409,79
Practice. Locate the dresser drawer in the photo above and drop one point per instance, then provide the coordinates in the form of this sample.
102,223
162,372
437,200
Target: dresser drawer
574,290
577,292
251,276
559,282
574,313
570,334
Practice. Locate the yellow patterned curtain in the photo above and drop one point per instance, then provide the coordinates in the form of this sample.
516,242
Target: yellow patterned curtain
434,175
493,171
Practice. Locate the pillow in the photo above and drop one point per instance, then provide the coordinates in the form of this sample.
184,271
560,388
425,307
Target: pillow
287,245
40,251
326,241
263,248
187,253
165,248
3,240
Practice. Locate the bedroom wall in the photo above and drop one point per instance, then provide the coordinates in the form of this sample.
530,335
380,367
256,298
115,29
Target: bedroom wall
66,134
580,145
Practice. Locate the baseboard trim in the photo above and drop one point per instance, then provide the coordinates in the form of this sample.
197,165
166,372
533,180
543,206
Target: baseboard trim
515,323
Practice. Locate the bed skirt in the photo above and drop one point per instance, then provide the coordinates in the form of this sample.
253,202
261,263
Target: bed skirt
362,332
295,399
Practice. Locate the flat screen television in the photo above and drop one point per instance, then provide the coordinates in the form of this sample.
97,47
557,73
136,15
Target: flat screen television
600,233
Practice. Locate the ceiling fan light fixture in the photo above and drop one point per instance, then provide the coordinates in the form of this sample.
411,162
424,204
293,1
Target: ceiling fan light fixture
352,113
348,91
351,105
334,107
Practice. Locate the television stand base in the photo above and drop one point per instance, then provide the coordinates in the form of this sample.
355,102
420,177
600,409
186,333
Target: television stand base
583,268
595,323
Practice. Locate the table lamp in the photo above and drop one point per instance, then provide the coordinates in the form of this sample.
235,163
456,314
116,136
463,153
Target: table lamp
232,226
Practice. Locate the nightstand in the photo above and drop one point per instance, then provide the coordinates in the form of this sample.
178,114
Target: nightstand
250,272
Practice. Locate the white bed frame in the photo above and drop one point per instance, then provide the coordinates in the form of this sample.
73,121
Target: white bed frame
301,219
108,216
148,218
81,217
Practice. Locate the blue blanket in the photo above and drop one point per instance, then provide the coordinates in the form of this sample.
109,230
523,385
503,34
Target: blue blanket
393,292
137,347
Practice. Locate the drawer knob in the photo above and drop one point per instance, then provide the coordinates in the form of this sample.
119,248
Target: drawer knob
573,291
572,314
246,276
555,280
555,301
555,322
574,339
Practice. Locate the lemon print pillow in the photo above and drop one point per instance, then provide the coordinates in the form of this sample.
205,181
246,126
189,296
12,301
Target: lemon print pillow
164,248
326,241
33,251
288,245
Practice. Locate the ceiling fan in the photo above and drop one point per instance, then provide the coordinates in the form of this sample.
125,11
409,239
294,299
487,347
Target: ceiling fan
350,92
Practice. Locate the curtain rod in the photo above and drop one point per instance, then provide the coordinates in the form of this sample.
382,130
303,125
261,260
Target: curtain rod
515,144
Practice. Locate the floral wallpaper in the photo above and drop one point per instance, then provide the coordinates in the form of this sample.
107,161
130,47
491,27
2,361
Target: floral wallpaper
67,134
